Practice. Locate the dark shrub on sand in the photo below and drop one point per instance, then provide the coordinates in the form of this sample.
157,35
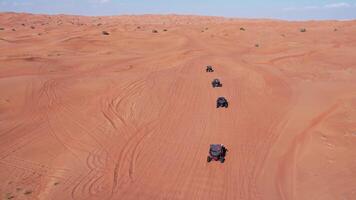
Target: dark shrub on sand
105,33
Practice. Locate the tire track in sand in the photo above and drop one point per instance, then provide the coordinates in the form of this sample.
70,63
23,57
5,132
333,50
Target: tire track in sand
286,166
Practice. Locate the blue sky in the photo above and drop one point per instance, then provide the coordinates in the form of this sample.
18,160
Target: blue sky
280,9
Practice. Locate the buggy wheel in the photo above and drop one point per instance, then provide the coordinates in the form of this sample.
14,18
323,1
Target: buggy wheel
208,159
222,159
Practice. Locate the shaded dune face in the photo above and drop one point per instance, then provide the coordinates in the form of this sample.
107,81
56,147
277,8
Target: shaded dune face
122,108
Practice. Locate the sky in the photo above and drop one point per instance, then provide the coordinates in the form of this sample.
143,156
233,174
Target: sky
277,9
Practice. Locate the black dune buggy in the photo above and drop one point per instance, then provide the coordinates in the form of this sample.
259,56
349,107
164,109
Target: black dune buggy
209,68
216,83
221,102
217,152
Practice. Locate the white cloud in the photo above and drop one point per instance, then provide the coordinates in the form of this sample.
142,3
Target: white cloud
311,7
101,1
338,5
290,8
15,3
327,6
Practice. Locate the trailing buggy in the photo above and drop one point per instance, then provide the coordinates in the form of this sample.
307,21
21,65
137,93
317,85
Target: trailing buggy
209,68
216,83
217,152
221,102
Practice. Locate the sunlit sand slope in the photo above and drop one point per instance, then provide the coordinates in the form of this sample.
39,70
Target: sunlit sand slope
131,114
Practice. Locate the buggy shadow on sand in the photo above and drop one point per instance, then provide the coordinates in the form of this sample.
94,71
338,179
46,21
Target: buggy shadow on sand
217,152
209,68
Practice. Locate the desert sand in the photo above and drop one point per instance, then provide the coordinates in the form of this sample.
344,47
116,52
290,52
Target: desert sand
131,114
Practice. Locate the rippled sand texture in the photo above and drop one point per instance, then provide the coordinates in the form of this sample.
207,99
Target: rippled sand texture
130,115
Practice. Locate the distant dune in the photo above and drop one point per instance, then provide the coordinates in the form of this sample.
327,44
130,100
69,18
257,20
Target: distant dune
120,107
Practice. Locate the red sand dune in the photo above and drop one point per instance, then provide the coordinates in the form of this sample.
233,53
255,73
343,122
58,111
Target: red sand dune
131,115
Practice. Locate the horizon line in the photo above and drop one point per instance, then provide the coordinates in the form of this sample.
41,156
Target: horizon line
178,14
